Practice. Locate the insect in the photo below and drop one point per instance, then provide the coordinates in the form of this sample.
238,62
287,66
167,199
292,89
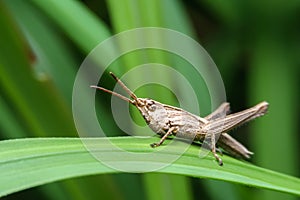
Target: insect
168,120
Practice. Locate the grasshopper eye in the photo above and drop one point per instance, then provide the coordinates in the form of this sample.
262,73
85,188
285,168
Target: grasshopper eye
151,105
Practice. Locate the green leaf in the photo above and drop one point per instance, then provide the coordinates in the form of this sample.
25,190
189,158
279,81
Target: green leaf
54,59
36,102
82,26
26,163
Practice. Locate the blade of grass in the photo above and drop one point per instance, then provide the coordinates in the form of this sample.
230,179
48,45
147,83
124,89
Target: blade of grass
57,63
38,104
273,76
9,123
33,104
169,187
82,26
53,58
86,30
27,163
280,125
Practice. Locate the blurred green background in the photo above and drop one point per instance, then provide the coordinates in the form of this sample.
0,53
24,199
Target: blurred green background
255,44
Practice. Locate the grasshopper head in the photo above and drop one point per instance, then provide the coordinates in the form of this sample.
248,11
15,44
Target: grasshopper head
153,112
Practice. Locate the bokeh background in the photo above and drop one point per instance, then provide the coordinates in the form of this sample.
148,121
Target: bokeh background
255,44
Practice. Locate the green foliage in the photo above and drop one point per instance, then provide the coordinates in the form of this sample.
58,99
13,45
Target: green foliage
42,44
30,162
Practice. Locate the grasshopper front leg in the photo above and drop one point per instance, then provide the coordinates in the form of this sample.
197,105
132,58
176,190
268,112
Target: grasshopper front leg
169,132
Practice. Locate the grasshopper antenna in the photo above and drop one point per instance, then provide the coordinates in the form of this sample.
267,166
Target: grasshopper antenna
124,86
113,93
132,95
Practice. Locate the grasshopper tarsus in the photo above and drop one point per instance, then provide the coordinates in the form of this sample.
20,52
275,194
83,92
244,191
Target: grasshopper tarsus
220,162
153,145
217,157
213,149
161,117
169,132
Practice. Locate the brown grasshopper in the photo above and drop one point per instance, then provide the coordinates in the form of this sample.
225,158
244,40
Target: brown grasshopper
168,120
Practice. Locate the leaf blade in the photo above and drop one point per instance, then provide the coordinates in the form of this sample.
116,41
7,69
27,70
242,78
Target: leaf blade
22,166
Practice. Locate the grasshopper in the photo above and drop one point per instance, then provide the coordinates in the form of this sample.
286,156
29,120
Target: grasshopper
167,120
